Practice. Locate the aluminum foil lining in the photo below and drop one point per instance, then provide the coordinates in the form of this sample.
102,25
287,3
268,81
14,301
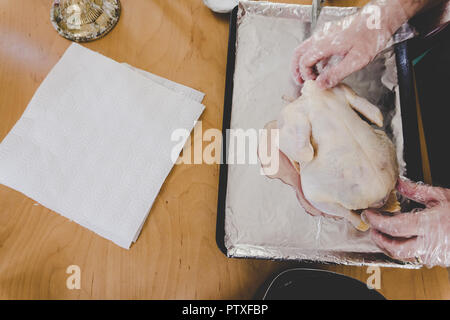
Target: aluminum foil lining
263,218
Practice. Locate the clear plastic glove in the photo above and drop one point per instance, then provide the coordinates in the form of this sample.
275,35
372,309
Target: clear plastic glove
423,236
342,47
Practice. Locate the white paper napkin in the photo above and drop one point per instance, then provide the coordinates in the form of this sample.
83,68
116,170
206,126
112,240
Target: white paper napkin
94,144
176,87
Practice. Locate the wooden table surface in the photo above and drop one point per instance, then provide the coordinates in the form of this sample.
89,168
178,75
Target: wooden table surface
176,256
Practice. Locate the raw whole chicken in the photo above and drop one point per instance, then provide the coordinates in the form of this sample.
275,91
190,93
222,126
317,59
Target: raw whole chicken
336,162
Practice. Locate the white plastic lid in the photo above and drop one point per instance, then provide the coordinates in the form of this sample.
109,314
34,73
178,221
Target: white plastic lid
221,6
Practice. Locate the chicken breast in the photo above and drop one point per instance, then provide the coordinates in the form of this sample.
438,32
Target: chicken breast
343,163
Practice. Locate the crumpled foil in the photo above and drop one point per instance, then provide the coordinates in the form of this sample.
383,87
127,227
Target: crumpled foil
263,217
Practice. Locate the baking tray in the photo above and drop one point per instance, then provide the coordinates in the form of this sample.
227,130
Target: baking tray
412,153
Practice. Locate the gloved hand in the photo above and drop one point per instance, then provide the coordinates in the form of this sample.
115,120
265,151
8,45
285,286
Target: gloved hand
423,235
345,46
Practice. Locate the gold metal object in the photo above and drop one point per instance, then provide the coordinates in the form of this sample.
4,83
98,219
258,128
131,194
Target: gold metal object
84,20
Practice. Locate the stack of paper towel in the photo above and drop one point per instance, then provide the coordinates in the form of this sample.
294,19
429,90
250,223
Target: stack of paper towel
94,144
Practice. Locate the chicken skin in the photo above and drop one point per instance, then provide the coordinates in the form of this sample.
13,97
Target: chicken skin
337,162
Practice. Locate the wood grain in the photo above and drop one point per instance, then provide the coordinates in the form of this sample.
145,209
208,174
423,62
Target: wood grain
176,256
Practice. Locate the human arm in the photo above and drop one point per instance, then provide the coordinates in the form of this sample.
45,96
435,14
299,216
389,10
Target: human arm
347,45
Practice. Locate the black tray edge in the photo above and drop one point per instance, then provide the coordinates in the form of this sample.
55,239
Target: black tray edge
228,100
408,106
